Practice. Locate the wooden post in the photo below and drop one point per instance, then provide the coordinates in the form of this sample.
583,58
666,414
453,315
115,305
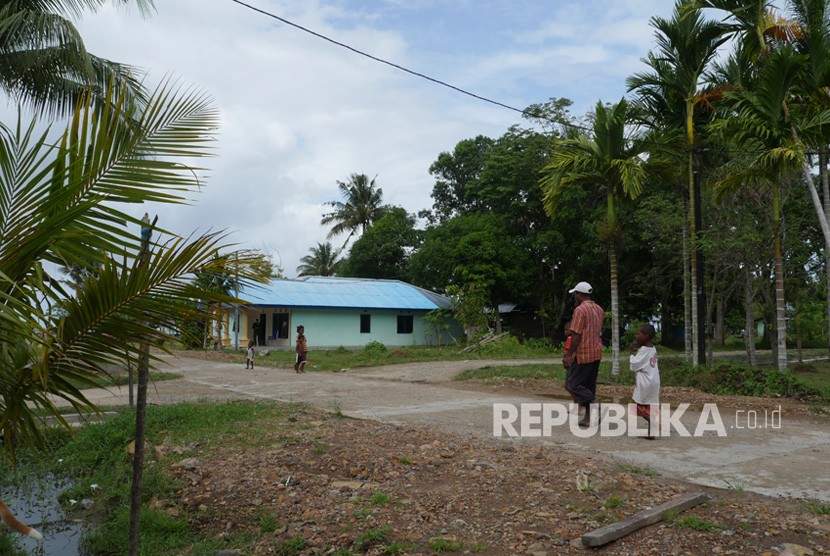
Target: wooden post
614,531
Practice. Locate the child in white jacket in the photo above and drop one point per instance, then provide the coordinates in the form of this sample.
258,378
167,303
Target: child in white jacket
643,360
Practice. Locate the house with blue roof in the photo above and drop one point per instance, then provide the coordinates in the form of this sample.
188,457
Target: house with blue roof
337,311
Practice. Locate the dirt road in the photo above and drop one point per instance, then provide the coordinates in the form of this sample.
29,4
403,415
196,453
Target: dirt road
785,457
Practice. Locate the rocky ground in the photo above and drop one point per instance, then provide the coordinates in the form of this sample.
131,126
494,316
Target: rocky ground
323,484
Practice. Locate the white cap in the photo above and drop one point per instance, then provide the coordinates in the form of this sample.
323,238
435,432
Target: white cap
582,287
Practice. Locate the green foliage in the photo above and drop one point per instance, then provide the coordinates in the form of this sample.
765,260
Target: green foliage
380,499
372,537
374,349
739,380
697,523
440,544
613,502
291,547
818,508
384,248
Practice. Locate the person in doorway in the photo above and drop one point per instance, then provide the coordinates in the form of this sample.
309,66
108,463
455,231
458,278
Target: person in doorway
256,327
249,355
302,350
643,361
583,356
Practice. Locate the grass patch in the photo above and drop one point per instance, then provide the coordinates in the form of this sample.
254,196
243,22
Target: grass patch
441,544
613,502
96,455
380,499
696,523
372,537
818,508
375,354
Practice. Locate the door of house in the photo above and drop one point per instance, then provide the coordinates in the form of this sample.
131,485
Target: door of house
280,325
262,327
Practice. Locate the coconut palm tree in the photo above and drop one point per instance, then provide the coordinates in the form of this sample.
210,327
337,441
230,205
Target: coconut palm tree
670,94
609,162
44,63
61,203
322,261
361,207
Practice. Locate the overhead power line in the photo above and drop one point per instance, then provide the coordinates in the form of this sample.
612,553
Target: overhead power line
381,60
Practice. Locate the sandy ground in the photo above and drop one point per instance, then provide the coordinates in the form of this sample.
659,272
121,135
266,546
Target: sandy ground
759,453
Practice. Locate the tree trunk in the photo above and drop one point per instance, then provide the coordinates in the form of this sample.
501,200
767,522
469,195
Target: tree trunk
615,296
825,189
693,270
780,307
687,304
749,311
140,410
615,316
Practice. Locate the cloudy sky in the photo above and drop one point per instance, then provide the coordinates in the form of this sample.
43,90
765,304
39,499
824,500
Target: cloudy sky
299,113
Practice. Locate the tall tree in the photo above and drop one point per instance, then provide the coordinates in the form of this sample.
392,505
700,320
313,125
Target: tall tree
362,205
670,94
762,126
608,161
44,63
322,261
384,250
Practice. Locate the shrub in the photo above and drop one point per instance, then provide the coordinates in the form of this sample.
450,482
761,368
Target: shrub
374,349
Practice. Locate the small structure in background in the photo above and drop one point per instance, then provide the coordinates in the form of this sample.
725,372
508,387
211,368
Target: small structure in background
349,312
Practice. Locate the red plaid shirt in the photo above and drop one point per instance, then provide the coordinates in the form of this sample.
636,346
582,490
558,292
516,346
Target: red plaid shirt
587,322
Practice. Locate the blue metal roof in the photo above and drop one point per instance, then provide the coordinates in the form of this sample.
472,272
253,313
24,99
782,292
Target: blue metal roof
345,293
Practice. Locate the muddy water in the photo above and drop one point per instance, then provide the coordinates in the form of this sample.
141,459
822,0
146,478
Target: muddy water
37,505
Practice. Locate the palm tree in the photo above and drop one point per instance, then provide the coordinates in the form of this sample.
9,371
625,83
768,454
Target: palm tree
763,126
44,63
61,203
608,162
362,206
321,262
669,95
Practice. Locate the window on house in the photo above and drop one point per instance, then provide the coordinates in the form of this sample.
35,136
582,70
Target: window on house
405,324
365,324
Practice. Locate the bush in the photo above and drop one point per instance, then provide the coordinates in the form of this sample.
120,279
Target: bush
374,349
736,380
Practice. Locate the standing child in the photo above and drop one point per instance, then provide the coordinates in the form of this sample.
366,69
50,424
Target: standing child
568,338
643,360
302,350
249,356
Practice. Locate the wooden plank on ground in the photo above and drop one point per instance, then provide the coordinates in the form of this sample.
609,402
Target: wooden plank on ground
614,531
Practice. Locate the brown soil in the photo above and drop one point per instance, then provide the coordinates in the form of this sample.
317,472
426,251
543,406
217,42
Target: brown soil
359,487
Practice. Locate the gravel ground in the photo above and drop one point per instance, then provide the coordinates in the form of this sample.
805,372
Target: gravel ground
347,486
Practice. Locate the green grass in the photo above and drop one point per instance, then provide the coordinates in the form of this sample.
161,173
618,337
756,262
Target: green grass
445,545
340,359
637,470
613,502
692,522
96,455
818,508
372,537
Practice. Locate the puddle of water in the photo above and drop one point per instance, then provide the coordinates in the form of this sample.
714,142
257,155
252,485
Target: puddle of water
37,505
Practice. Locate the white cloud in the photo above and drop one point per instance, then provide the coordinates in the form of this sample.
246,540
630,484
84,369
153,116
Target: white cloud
299,113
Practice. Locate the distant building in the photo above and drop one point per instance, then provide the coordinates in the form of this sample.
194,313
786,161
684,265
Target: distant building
335,311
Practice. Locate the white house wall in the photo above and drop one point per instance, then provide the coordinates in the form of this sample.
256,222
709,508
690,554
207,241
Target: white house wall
334,328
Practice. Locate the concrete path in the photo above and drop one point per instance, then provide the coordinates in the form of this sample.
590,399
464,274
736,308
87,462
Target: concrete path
787,456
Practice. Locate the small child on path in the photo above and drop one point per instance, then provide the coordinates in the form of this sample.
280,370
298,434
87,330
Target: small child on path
302,350
249,356
643,360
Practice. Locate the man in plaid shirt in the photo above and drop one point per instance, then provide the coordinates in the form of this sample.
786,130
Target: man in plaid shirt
585,352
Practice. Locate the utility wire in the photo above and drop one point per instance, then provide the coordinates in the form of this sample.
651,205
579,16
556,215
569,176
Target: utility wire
388,63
